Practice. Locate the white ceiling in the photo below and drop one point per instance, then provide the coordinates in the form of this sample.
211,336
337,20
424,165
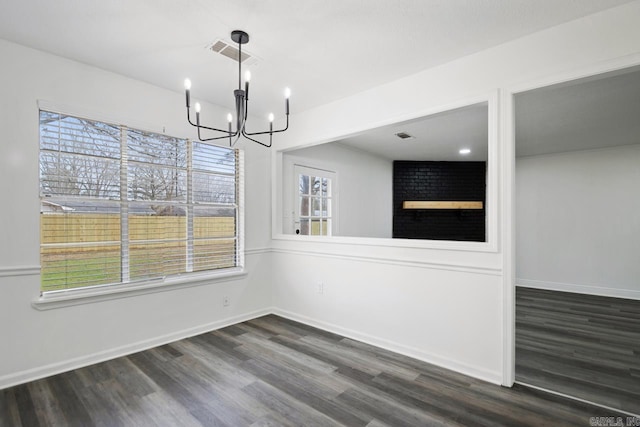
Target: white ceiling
438,137
595,112
324,50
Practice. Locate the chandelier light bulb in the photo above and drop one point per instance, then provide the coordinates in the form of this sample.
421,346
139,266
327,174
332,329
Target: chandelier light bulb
271,117
247,76
229,118
287,93
187,92
197,106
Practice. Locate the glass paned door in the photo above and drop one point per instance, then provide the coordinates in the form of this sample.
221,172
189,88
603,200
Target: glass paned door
314,201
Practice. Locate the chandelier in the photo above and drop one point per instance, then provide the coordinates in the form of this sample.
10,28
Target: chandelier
242,106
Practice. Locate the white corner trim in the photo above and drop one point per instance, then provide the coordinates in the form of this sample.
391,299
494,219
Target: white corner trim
580,289
404,263
90,359
20,270
474,371
508,235
104,293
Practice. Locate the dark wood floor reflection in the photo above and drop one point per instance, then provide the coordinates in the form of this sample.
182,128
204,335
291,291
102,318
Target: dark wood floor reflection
580,345
269,372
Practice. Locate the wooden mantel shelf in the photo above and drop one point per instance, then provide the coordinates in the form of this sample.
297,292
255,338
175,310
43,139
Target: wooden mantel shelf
441,205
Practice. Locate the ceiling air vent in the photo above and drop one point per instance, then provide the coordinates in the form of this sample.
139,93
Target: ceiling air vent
224,48
404,135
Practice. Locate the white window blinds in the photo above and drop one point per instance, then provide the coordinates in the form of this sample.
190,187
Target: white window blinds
121,205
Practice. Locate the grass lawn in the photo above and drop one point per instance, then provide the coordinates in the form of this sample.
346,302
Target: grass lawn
66,270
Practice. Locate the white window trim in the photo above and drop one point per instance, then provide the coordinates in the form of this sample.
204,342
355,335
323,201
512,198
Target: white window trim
58,299
93,294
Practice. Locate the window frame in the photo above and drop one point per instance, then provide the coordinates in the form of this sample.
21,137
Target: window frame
81,295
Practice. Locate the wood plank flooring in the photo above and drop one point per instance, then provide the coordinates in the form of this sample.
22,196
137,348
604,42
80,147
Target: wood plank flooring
580,345
275,372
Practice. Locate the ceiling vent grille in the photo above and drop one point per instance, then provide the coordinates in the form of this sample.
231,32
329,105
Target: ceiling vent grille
224,48
404,135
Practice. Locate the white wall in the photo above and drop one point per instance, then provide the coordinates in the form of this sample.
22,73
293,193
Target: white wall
452,307
37,343
578,227
365,187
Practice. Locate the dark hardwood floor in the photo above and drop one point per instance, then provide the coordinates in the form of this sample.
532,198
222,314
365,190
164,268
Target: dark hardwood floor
580,345
270,372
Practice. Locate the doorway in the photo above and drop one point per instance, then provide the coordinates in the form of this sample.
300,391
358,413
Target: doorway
314,200
578,239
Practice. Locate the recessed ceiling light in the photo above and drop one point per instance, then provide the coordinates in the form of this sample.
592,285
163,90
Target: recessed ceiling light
465,151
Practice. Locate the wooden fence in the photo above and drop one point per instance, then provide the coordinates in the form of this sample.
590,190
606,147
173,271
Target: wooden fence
103,228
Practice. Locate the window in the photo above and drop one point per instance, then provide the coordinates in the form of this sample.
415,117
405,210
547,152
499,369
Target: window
120,205
314,201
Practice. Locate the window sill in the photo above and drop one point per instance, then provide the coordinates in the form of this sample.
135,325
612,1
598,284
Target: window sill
451,245
106,293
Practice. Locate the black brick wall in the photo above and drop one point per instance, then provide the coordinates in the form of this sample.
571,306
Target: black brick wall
436,181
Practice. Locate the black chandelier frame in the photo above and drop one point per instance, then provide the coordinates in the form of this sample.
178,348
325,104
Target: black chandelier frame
242,107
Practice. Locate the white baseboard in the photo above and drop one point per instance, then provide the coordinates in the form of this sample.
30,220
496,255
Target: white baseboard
580,289
415,353
91,359
611,410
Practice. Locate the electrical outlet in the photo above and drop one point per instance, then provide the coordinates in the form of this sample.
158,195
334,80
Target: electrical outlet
225,301
320,287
